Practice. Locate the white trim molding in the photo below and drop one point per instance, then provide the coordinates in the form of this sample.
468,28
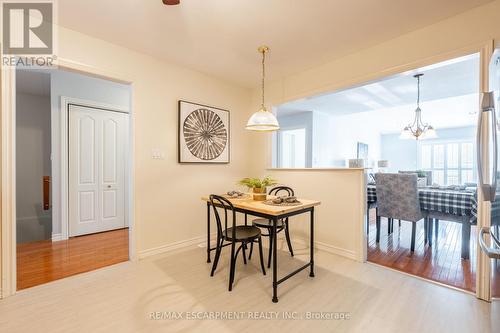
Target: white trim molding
200,240
62,206
349,254
57,237
8,167
8,174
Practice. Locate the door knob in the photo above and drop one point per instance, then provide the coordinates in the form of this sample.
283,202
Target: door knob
109,186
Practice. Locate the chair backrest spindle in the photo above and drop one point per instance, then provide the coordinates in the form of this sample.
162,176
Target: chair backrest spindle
276,190
219,202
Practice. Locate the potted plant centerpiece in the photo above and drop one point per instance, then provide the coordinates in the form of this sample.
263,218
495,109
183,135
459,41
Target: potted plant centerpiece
258,186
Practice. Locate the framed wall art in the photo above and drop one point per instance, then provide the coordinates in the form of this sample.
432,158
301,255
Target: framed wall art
203,134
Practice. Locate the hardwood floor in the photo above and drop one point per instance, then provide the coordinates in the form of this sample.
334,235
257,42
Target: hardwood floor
138,296
441,262
44,261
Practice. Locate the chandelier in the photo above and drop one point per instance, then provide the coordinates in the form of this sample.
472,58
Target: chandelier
263,120
418,129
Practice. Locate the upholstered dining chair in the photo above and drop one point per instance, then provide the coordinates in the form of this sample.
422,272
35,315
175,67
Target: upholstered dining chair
241,234
397,198
428,175
268,224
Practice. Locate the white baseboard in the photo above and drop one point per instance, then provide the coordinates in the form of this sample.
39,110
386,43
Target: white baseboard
201,240
57,237
328,248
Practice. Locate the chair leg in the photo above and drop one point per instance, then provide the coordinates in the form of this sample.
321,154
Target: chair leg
392,226
436,228
232,266
287,236
429,230
377,238
426,230
399,223
243,247
261,254
251,251
388,226
413,230
367,221
217,255
270,248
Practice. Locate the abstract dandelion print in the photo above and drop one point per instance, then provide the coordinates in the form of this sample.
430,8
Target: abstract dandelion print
203,134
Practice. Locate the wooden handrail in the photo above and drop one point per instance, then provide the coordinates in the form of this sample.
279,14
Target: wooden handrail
46,192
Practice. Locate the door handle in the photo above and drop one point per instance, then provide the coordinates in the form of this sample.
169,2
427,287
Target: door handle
490,252
479,153
493,189
46,192
487,105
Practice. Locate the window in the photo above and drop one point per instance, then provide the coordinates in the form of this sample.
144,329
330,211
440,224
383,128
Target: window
292,147
451,163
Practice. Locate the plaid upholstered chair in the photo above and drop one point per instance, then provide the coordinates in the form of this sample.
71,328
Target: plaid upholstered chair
397,198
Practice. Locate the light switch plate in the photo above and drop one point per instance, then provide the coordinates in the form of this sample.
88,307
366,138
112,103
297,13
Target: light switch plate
157,154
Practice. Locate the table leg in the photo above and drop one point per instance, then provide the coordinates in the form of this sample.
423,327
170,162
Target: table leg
208,232
311,250
429,230
275,261
465,238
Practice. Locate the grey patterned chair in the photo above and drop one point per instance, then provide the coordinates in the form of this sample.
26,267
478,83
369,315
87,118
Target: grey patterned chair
397,198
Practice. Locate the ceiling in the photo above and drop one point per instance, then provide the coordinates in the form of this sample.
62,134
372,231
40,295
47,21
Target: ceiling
451,78
220,37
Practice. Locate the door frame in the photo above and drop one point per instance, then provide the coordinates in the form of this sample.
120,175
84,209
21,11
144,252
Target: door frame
485,50
64,153
8,249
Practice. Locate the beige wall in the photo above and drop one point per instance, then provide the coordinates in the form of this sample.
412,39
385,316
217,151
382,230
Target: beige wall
466,32
167,205
339,218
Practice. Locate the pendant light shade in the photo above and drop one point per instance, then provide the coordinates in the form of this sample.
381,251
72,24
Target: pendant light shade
263,120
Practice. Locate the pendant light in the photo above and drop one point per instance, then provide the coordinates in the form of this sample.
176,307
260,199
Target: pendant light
263,120
418,129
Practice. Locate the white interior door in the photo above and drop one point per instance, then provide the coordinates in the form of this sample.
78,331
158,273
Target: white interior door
97,168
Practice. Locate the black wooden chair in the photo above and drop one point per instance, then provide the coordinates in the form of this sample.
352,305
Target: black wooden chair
235,234
268,224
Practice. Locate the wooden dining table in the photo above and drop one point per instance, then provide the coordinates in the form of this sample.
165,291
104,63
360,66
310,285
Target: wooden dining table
248,206
459,205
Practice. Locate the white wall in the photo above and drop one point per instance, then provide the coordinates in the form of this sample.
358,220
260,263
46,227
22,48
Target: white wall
347,131
453,37
33,162
68,84
402,154
297,120
337,136
322,144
